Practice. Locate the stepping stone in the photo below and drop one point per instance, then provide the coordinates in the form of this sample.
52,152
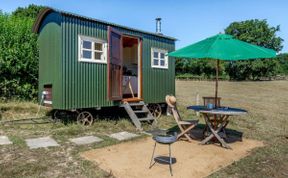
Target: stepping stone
123,136
85,140
42,142
4,140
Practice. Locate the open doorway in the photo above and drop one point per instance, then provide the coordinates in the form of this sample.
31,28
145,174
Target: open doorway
131,73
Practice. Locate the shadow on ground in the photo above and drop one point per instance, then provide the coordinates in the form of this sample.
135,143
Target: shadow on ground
198,133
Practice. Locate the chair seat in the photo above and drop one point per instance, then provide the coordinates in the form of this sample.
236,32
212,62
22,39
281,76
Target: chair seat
185,126
188,122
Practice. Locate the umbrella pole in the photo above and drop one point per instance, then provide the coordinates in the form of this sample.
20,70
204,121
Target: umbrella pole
216,85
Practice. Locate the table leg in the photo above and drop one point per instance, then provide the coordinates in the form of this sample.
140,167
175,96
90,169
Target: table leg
225,119
215,132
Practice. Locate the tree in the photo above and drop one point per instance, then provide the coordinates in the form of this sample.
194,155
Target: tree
283,61
31,11
18,54
257,32
199,67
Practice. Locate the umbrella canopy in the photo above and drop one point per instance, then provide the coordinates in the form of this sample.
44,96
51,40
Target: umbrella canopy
223,47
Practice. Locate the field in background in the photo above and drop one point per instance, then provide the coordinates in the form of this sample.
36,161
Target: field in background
267,103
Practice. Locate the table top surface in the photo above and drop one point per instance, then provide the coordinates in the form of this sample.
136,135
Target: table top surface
218,111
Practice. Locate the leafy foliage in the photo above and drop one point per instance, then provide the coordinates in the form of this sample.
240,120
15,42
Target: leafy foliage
257,32
283,62
31,11
252,70
18,54
205,68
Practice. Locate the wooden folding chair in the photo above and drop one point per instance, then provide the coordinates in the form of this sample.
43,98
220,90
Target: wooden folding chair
184,125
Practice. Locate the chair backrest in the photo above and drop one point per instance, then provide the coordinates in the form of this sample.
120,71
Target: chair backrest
207,100
176,114
174,110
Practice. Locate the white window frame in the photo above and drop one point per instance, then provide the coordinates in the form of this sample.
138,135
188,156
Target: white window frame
93,40
166,63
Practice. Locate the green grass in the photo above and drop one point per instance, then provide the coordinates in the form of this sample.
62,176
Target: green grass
267,121
18,160
17,141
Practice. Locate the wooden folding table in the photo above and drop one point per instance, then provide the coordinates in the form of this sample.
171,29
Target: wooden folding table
216,120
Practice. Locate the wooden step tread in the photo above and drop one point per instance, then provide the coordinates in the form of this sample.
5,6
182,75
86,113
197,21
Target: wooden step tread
146,119
135,112
140,111
136,104
131,99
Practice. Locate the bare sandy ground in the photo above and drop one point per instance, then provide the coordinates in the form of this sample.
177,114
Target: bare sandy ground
131,159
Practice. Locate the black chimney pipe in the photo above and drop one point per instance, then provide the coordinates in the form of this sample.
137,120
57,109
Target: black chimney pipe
158,25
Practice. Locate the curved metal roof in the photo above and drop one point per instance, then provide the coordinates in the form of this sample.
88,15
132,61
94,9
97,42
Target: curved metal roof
41,16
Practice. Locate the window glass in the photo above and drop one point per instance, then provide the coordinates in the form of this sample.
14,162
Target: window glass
87,54
97,55
98,46
155,61
155,55
162,62
162,55
87,44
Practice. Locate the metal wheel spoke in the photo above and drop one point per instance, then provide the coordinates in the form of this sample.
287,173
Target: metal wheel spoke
86,122
85,118
155,110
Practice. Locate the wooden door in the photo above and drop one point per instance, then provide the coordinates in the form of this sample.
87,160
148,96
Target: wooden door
115,63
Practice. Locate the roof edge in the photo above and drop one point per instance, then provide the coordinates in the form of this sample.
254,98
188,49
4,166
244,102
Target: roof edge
43,13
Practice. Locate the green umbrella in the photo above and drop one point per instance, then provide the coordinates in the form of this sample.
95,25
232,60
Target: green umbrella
223,47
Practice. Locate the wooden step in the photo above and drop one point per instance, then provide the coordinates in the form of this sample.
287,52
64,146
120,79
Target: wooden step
134,114
146,119
137,104
132,100
140,111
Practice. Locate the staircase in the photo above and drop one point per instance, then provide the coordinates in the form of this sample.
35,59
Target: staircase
138,112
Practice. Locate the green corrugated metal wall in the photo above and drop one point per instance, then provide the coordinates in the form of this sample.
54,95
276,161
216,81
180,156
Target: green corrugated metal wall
157,83
84,85
49,41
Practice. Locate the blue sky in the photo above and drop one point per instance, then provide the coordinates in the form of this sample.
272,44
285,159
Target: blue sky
189,21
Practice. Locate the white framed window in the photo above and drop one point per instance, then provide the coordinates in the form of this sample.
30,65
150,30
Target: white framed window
159,58
92,49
